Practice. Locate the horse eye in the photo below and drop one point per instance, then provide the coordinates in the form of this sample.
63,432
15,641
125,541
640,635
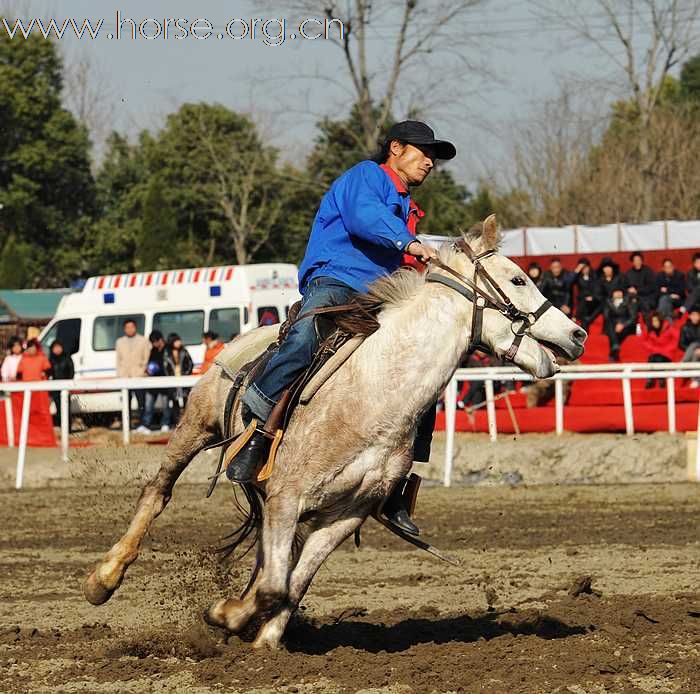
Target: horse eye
518,281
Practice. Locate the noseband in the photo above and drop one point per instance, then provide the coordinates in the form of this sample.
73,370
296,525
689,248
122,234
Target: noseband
520,322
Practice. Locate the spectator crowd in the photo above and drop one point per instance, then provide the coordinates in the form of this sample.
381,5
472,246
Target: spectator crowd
136,357
662,307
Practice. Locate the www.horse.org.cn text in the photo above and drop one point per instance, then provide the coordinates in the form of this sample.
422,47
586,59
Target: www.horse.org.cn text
271,31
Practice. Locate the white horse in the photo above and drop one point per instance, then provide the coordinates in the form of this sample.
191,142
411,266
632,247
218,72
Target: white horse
345,450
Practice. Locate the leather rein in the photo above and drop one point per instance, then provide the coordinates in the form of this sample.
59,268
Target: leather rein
520,322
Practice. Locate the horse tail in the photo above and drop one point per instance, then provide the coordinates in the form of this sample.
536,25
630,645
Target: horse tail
250,525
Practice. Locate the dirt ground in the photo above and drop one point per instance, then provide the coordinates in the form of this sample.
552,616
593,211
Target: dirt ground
519,615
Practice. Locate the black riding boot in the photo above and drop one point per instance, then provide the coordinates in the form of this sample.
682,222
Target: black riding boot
250,458
397,513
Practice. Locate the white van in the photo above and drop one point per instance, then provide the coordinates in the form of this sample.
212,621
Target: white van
227,300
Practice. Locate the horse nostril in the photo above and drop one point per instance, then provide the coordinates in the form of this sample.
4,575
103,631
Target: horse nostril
579,335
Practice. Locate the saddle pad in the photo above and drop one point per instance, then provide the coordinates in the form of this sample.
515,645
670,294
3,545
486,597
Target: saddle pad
329,368
245,348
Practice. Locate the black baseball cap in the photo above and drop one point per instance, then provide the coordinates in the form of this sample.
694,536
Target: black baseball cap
416,133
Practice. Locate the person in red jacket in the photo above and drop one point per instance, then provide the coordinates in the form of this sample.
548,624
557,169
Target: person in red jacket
34,365
660,339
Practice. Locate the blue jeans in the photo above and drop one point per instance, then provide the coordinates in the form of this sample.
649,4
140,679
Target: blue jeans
298,349
150,406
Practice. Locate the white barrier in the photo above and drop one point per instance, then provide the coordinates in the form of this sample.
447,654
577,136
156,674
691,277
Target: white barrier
579,372
65,387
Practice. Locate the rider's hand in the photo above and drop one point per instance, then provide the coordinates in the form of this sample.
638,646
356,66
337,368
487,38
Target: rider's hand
421,251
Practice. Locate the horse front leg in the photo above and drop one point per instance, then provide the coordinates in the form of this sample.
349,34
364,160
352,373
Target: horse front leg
270,586
190,436
319,544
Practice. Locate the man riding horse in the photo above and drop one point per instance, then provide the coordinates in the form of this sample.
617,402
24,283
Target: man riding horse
365,224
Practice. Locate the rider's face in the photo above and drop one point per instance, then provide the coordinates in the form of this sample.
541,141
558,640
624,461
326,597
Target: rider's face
413,164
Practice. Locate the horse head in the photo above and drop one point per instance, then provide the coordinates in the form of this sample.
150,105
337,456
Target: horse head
527,330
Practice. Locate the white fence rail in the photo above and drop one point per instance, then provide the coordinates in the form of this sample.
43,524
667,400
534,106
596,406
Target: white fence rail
580,372
622,372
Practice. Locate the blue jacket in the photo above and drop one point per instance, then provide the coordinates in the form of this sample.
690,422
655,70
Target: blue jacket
359,233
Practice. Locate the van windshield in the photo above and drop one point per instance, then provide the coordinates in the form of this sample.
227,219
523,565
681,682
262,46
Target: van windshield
189,325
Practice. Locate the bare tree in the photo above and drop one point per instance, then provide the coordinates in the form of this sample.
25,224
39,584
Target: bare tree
87,94
642,41
246,191
426,37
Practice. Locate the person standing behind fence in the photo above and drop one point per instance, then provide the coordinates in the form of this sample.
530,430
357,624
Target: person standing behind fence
132,351
156,368
213,347
33,366
8,371
610,278
177,362
62,369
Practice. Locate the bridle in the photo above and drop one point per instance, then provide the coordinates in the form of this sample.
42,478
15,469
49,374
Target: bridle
520,322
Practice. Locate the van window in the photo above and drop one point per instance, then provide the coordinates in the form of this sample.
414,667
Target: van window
189,325
67,331
107,330
268,315
226,322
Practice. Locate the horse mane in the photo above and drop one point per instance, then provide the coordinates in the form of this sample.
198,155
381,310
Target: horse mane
399,287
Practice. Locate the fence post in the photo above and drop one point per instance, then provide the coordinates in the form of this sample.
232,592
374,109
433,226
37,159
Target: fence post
23,436
126,423
627,401
671,397
491,409
697,447
10,421
450,412
65,424
559,406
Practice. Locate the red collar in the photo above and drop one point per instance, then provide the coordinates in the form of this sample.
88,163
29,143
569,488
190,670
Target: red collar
395,178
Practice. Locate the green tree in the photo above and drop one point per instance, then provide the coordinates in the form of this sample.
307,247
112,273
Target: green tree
155,249
14,273
690,79
46,187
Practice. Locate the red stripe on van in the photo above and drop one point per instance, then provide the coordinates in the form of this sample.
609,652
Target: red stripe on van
181,277
229,273
117,280
212,275
164,278
101,283
149,279
196,276
132,281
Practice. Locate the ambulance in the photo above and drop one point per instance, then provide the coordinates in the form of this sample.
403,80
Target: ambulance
228,300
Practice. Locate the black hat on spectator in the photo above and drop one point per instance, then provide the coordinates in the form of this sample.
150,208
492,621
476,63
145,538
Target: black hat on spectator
609,262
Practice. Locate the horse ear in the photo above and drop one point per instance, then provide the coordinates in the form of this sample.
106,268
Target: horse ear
491,236
484,236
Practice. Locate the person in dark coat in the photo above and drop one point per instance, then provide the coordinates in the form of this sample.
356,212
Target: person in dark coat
177,362
641,283
62,369
610,278
588,293
534,271
671,285
556,286
156,367
689,340
620,320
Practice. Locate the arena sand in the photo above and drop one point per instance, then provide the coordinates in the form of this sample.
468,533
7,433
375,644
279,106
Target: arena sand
561,588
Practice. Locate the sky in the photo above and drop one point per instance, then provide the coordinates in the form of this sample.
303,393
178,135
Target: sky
143,80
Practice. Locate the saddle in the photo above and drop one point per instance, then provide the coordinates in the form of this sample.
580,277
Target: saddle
340,331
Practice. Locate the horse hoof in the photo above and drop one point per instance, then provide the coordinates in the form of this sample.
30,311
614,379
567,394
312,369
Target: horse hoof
94,592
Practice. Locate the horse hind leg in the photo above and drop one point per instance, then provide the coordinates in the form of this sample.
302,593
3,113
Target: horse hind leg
319,544
189,437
